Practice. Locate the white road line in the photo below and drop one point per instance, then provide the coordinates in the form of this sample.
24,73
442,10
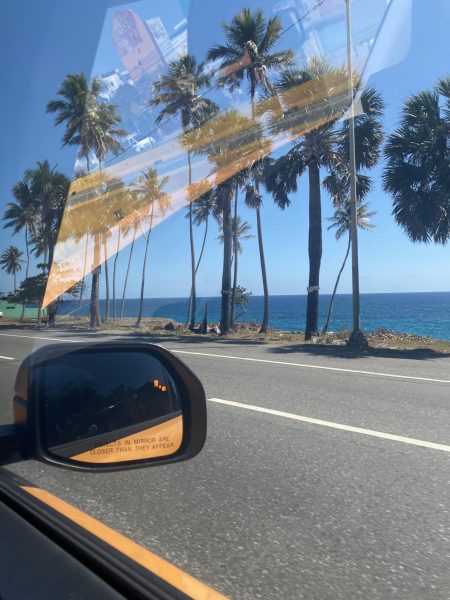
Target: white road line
7,357
256,360
306,366
36,337
371,432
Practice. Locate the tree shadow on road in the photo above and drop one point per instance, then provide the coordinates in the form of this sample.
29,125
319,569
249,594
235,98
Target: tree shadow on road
270,346
343,352
196,340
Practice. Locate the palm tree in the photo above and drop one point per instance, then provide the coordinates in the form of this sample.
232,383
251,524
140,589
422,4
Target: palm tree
81,233
149,188
92,214
22,215
49,188
105,236
240,233
341,222
83,279
90,124
250,39
239,180
114,214
256,175
417,166
11,261
242,229
111,215
202,208
119,216
39,245
106,132
77,107
231,142
108,217
135,227
178,92
314,101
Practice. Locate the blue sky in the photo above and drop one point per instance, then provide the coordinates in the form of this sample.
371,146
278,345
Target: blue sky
44,44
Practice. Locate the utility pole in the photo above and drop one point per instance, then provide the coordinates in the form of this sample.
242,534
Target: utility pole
357,339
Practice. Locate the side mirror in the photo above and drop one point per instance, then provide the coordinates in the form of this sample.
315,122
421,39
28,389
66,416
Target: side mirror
108,406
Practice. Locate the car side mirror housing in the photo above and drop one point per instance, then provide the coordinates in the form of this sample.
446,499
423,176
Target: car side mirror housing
108,406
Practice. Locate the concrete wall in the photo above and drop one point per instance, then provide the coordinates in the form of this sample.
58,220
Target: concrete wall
14,311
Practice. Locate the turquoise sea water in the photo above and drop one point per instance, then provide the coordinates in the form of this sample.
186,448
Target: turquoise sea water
422,313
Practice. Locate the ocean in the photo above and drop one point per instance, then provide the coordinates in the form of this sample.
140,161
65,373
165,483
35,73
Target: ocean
420,313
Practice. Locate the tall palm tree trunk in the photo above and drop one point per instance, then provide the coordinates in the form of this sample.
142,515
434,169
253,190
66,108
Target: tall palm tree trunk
233,290
262,260
235,255
114,276
198,263
314,250
126,276
203,245
39,316
192,302
28,253
95,316
46,269
26,268
226,271
105,249
83,281
330,309
53,306
265,319
141,303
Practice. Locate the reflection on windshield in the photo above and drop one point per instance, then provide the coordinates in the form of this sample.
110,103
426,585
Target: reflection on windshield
261,109
293,118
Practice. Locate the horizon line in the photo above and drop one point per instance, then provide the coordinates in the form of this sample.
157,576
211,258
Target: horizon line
279,295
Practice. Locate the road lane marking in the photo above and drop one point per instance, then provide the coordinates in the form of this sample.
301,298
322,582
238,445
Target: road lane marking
7,357
306,366
312,421
36,337
249,359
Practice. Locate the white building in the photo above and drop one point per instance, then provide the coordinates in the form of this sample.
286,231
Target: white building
111,82
170,46
159,32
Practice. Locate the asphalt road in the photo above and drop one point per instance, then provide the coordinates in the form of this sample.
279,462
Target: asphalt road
341,492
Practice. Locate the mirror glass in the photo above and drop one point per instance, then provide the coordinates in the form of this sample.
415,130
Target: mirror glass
109,405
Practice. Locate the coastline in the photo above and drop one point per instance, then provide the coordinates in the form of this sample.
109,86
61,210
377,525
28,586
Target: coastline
153,329
424,314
